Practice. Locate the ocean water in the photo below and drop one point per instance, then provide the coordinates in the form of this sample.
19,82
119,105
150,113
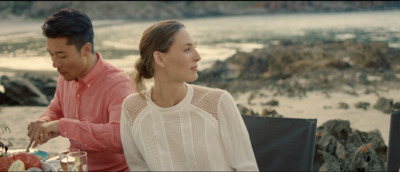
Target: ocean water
23,47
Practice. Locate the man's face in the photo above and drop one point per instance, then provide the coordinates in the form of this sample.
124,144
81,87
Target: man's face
70,63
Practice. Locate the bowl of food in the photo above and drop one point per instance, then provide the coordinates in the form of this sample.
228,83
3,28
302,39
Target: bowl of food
23,161
42,155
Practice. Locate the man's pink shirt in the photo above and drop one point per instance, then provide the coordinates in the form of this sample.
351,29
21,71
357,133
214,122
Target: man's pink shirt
89,111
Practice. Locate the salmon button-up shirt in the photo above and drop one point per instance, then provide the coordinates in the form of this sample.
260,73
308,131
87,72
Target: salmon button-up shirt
89,111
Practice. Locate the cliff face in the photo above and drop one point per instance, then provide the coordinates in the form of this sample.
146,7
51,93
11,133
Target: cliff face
155,10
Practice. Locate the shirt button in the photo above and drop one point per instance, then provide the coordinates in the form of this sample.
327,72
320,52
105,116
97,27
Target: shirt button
79,95
86,145
88,85
65,133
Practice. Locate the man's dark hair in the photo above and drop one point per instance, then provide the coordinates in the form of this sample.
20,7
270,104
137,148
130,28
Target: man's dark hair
72,24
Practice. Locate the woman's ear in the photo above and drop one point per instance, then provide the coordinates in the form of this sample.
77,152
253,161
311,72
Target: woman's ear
159,58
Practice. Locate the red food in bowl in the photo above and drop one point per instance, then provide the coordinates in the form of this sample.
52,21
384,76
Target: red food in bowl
5,163
29,160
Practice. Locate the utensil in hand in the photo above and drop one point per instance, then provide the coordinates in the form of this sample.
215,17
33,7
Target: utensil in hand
27,149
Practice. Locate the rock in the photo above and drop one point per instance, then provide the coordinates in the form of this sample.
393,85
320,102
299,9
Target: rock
326,162
251,97
343,105
5,100
339,148
363,78
362,105
378,144
384,105
365,159
46,84
396,106
22,91
242,109
271,103
245,111
340,129
270,113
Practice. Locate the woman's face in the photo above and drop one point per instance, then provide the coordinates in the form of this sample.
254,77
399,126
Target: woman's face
181,58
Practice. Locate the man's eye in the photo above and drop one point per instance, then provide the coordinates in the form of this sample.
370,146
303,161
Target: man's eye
187,49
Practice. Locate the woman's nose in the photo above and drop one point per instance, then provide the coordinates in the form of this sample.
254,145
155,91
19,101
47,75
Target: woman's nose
197,56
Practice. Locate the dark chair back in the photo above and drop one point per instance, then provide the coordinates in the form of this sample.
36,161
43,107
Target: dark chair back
282,144
393,158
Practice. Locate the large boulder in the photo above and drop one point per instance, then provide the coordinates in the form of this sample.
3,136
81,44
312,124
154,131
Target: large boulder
22,91
385,105
46,84
340,148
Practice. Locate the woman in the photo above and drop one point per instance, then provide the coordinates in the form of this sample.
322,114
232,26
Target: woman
176,126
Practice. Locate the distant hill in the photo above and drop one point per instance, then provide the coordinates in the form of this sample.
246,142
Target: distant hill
155,10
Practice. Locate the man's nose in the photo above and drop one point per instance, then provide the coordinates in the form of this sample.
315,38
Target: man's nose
56,63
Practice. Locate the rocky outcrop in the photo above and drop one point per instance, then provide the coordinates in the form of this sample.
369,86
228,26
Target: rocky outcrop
293,69
384,105
340,148
27,90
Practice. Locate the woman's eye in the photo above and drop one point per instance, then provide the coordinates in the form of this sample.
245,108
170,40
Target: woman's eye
187,49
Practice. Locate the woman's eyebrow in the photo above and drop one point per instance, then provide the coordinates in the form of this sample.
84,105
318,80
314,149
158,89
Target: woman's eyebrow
189,44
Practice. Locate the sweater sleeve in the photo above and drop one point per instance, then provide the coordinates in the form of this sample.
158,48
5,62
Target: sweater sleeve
133,156
235,136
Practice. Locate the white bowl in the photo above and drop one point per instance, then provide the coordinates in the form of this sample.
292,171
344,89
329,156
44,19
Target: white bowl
48,167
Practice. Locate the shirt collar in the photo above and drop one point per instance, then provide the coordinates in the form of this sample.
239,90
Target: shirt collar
95,72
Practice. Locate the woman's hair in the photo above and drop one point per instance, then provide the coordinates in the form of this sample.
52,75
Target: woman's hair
72,24
157,37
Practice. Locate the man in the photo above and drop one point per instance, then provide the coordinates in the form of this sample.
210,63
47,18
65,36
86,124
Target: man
86,107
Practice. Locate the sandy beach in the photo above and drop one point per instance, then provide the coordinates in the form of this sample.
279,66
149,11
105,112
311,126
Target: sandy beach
314,105
318,105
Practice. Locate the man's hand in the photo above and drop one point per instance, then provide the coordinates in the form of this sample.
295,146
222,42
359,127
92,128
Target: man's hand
33,127
42,131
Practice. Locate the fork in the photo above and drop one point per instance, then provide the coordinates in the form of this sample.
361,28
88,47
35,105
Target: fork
27,149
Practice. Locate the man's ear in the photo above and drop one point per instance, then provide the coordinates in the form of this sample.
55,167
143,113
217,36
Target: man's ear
159,58
86,49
